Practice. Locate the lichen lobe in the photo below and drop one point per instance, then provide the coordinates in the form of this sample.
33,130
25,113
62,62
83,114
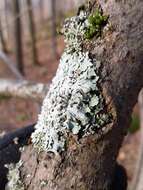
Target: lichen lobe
74,103
14,178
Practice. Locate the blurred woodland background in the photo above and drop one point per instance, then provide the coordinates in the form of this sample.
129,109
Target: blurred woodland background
30,48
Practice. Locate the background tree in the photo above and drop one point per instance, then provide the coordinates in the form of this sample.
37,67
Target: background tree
53,29
7,10
32,31
18,35
41,6
2,39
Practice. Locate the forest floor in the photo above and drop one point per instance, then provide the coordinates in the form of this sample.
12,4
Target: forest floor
16,113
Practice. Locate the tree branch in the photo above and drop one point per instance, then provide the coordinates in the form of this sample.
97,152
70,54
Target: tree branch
23,89
19,133
4,58
88,162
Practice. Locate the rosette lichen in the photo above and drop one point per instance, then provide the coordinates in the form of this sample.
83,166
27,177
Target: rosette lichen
74,103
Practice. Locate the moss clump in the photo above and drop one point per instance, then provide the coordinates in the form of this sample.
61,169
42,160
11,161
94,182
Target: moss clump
96,23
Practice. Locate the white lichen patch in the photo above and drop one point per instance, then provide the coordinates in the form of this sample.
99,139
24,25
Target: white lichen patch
74,103
43,183
14,181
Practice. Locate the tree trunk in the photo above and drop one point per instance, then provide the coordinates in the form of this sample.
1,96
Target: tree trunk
32,32
2,39
7,18
41,8
53,29
18,36
90,163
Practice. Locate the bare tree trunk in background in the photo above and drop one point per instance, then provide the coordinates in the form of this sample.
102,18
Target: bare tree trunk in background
32,32
18,35
41,6
6,8
53,29
2,39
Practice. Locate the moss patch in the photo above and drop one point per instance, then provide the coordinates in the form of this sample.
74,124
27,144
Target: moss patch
96,23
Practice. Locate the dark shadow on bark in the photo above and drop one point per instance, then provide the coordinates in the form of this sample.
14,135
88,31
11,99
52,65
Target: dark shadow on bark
120,178
9,151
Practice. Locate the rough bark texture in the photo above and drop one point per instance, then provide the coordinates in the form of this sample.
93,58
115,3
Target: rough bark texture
90,165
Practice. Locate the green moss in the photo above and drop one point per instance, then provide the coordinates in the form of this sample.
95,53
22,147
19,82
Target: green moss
135,124
96,23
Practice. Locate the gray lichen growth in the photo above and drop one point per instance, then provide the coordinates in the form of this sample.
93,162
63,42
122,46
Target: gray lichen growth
14,181
74,103
44,183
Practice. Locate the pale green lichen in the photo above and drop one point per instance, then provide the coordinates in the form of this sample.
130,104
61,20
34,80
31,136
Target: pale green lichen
14,179
74,30
74,103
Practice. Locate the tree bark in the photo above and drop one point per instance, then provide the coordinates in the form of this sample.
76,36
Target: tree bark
91,164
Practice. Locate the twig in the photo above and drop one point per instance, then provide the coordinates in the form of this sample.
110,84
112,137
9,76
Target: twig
11,65
23,89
